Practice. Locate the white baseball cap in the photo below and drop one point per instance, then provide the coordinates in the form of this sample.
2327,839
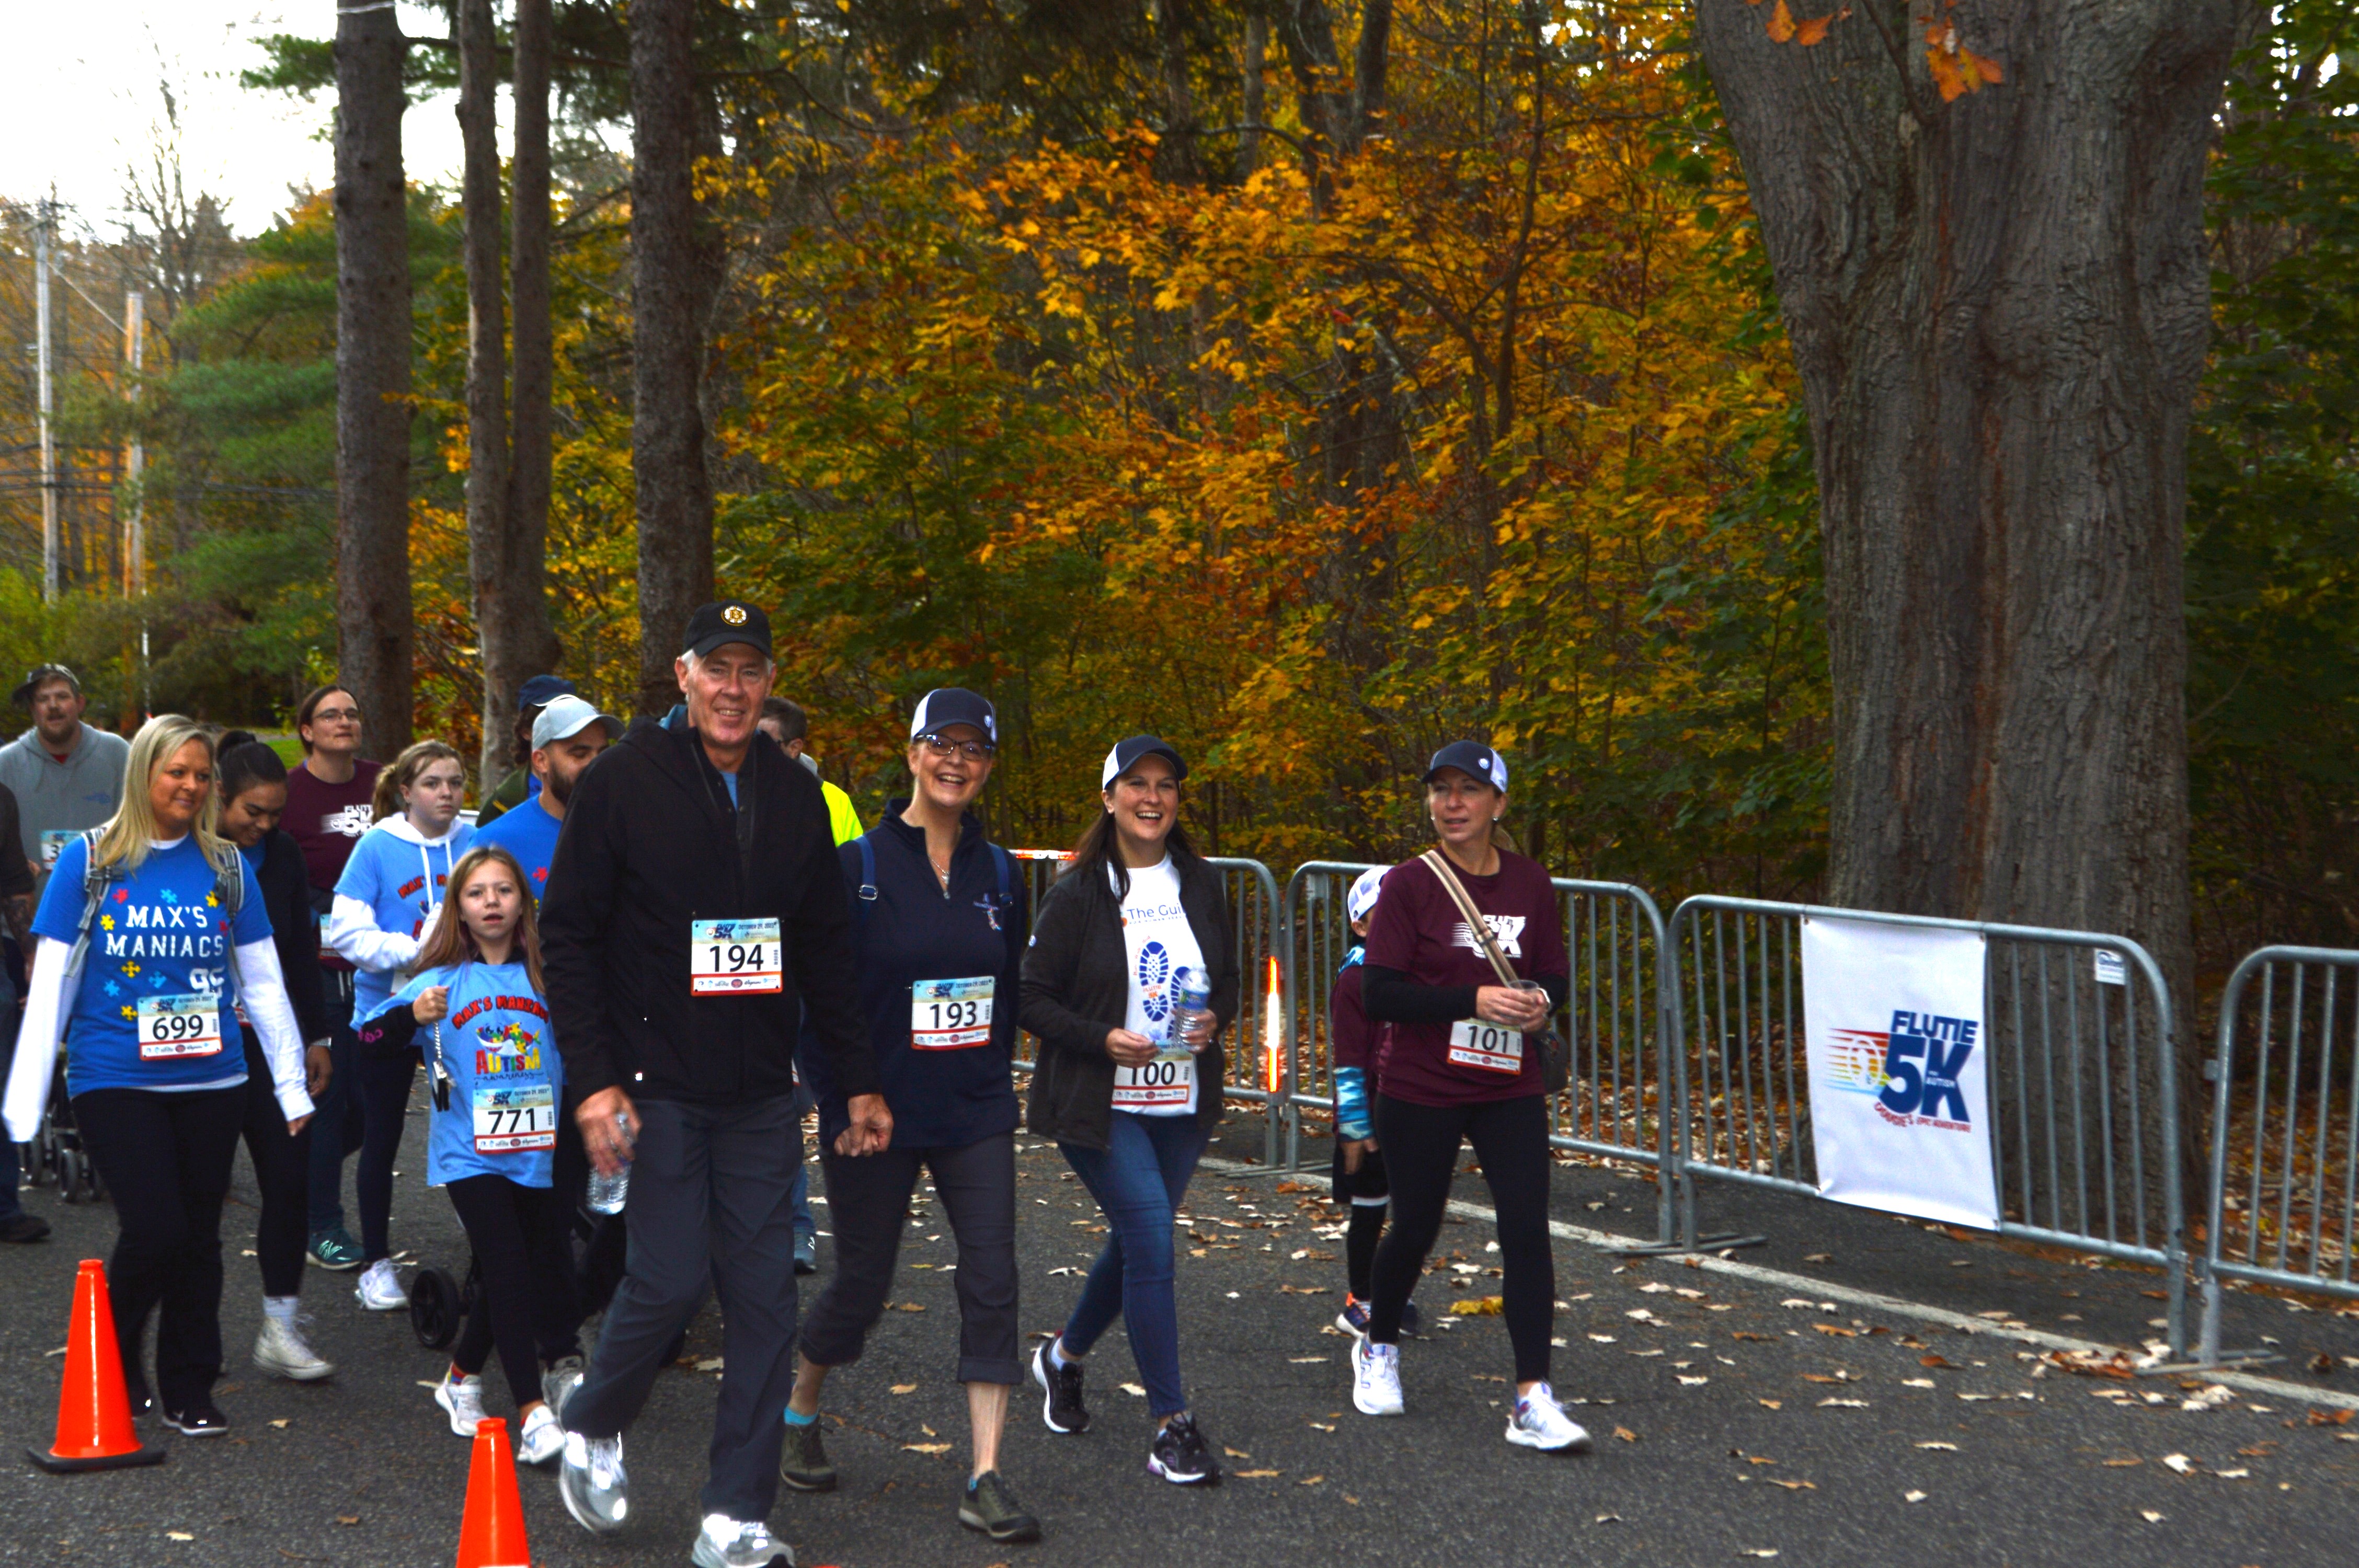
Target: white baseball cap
1363,896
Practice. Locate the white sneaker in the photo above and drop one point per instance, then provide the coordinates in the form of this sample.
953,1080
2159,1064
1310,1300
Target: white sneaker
463,1398
280,1350
557,1383
726,1542
1541,1422
380,1288
542,1439
592,1483
1375,1379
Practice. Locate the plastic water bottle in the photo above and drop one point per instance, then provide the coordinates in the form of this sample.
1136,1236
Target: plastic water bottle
606,1193
1191,1000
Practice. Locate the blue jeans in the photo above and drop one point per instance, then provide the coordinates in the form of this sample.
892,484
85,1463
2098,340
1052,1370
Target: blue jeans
1138,1180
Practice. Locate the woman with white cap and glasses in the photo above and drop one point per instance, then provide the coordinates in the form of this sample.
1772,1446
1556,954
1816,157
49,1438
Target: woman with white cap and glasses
1129,980
153,935
1461,1062
938,930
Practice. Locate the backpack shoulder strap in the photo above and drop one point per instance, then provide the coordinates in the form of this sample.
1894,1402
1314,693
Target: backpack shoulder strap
999,858
867,900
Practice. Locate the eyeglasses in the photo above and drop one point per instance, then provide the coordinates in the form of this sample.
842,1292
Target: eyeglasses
335,714
973,751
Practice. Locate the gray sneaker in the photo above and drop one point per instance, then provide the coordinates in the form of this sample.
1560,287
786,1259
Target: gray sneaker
802,1463
726,1542
591,1480
991,1506
558,1382
279,1350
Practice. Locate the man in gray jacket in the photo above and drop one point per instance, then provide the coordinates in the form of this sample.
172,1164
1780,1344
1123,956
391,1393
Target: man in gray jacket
65,774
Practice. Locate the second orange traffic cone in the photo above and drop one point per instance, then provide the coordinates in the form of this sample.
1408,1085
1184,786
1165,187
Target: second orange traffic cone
492,1533
94,1411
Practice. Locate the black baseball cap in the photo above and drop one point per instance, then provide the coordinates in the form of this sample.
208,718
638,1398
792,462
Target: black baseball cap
1472,758
39,673
1125,754
946,706
731,620
542,690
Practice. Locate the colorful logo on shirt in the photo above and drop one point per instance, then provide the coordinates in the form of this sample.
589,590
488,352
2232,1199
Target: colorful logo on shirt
510,1048
351,821
1507,929
1154,980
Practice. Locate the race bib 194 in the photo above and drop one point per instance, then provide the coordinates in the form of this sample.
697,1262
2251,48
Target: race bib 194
521,1118
734,957
176,1026
950,1015
1474,1044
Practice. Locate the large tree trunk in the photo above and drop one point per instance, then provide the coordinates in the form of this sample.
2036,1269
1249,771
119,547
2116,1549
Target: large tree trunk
533,380
672,287
1999,307
373,604
487,384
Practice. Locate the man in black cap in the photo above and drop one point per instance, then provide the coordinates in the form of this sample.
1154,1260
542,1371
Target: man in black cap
521,783
694,914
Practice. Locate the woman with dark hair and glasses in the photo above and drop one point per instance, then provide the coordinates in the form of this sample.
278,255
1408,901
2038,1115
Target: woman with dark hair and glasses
938,930
1130,978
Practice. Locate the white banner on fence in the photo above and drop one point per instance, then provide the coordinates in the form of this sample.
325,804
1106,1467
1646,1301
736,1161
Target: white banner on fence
1899,1099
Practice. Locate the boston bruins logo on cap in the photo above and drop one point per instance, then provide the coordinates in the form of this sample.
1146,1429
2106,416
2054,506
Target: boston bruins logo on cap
734,614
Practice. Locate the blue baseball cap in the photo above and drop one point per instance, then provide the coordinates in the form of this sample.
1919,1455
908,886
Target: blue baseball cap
945,706
1472,758
542,690
1127,754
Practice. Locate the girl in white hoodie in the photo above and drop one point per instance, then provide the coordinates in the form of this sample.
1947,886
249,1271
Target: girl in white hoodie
390,892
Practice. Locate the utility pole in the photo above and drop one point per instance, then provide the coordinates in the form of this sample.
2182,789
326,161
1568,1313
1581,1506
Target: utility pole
48,216
135,520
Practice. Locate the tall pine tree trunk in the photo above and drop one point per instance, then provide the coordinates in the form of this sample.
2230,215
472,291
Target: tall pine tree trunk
372,603
1999,307
672,289
487,390
533,380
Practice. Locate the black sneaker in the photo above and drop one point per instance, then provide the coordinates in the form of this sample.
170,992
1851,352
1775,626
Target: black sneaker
23,1227
802,1463
1181,1454
990,1507
1062,1406
134,1388
198,1418
1412,1320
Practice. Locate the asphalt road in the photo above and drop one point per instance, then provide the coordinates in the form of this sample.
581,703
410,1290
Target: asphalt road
1737,1418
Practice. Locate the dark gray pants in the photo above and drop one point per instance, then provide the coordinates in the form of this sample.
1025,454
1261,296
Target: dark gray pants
868,1199
710,1197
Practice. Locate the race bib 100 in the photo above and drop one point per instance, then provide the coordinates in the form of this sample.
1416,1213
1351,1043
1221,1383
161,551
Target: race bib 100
1164,1084
1474,1044
509,1120
734,957
950,1015
176,1026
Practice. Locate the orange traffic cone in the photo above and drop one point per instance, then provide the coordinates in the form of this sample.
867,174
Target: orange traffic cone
93,1412
492,1534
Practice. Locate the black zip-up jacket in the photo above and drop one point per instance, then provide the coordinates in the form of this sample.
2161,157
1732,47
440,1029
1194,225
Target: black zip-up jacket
650,844
285,889
915,930
1077,990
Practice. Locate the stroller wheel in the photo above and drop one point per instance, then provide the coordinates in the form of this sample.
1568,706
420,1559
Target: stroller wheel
435,1308
69,1175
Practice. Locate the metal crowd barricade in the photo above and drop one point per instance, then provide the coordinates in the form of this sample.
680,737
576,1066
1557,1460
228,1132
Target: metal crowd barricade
2283,1215
1614,1022
1256,1040
2086,1157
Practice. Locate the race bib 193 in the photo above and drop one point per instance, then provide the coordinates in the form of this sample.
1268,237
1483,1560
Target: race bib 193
732,958
175,1026
1474,1044
53,840
950,1015
507,1121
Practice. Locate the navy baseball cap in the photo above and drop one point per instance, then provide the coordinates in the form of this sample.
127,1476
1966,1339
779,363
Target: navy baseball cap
542,690
1127,754
1472,758
945,706
731,620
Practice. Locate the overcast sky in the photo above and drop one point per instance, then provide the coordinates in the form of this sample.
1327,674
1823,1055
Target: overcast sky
81,96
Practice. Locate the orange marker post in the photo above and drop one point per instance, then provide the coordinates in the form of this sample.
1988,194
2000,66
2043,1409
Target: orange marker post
492,1533
94,1428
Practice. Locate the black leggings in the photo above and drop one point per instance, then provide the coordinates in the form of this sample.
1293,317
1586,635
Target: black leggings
282,1170
166,1158
1420,1144
384,1083
525,1302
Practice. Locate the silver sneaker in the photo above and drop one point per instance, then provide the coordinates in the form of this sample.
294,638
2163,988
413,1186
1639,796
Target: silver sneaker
280,1350
726,1542
591,1480
380,1288
463,1397
557,1383
542,1439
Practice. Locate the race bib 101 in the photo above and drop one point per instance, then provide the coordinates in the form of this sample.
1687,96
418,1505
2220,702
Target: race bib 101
734,957
950,1015
514,1119
1474,1044
176,1026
